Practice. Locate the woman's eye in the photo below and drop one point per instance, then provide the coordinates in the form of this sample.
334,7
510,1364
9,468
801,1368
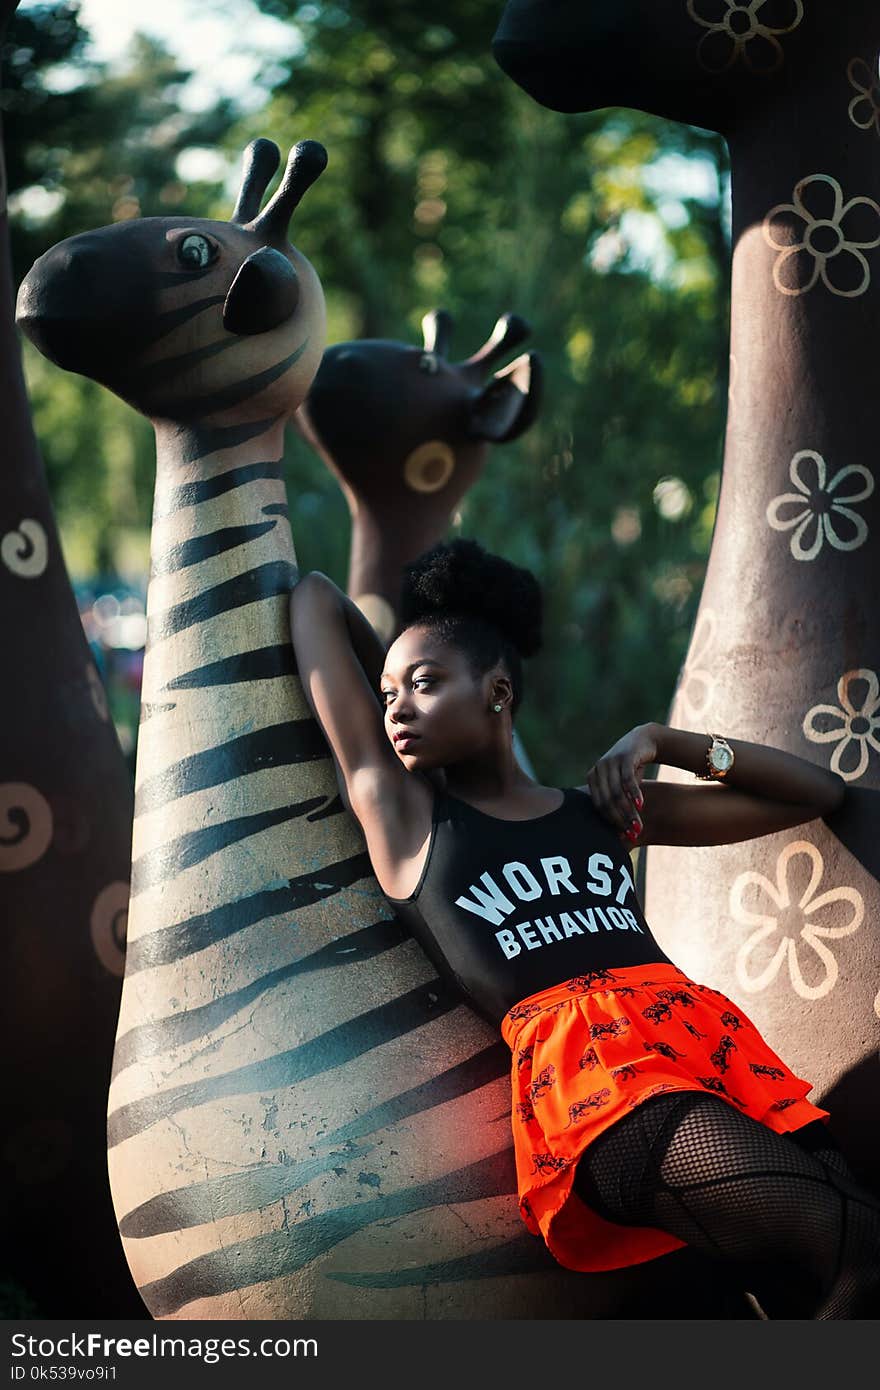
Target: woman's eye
195,251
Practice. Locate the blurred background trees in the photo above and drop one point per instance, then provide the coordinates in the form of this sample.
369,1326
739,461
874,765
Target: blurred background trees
447,186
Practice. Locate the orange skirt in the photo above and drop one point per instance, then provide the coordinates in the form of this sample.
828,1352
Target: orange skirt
589,1050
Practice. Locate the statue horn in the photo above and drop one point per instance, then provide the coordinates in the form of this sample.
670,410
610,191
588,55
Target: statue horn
508,333
261,159
437,328
306,162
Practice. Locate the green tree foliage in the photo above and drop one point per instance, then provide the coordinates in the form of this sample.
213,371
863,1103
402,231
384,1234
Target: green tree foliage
447,186
86,147
103,143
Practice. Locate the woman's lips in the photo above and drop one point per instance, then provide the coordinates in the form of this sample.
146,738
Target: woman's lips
405,740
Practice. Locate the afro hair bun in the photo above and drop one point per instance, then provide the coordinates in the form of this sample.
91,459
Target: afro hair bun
461,578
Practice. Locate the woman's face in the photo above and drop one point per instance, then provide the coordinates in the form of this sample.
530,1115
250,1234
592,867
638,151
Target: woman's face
428,692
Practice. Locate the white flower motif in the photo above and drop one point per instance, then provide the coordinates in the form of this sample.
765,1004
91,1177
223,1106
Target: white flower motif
827,249
696,686
740,31
817,508
852,723
811,933
864,109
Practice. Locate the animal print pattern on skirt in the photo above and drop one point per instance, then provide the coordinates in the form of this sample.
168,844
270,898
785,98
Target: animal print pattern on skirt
587,1051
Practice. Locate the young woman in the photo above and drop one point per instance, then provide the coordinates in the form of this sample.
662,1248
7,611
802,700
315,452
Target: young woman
648,1112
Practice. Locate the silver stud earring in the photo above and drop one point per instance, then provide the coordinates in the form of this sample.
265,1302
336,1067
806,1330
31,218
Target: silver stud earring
497,709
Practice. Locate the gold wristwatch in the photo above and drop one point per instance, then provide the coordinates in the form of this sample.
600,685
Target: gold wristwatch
719,760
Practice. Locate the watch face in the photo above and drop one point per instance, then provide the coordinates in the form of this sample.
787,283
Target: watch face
721,758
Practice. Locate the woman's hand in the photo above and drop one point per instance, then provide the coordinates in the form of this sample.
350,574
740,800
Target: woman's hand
614,779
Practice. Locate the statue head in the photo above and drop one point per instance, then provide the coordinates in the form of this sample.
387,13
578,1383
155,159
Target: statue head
190,319
706,62
398,420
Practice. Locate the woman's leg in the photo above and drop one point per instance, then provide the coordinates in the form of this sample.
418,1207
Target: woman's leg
816,1138
691,1165
793,1297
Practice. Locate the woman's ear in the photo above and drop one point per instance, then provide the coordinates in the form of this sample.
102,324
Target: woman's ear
501,692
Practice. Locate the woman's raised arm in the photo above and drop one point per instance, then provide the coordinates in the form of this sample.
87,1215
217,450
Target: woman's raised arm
340,659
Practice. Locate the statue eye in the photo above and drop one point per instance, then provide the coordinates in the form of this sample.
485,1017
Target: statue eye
196,251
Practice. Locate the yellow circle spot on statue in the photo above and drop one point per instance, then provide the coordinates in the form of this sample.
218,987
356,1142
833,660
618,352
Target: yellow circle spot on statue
25,826
379,613
429,466
109,921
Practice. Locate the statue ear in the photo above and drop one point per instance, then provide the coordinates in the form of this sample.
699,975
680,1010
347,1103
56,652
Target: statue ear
507,404
263,294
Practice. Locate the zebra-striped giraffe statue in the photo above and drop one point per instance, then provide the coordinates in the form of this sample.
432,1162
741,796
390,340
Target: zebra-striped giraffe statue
785,648
302,1122
65,844
407,434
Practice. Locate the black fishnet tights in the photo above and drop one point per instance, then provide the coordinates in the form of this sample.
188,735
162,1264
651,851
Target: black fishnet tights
691,1165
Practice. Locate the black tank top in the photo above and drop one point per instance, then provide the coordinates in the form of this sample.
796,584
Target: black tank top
506,908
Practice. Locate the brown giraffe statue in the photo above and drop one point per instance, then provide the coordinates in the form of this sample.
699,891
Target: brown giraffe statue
407,433
785,648
65,847
290,1079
